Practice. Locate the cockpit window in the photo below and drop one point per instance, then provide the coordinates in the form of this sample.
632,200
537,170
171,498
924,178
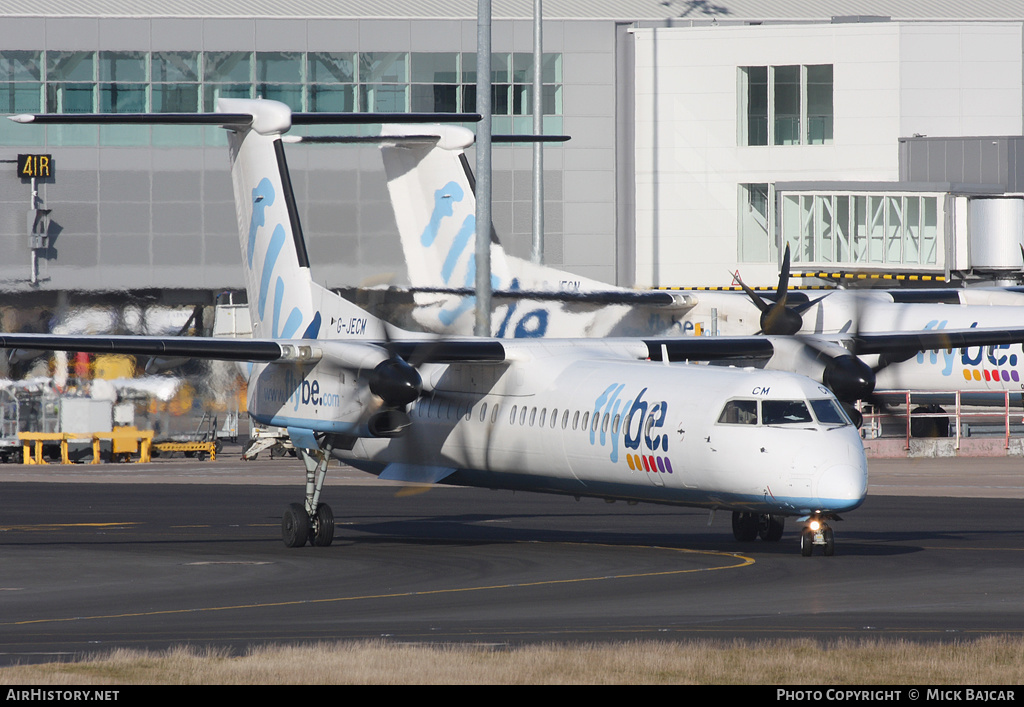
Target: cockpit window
785,412
739,412
830,412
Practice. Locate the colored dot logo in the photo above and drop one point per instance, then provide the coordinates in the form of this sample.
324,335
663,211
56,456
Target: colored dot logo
637,462
993,375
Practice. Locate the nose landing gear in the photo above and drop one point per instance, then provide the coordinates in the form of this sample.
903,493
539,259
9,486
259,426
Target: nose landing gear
817,532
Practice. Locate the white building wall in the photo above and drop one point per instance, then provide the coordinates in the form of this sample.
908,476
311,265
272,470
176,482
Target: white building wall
689,162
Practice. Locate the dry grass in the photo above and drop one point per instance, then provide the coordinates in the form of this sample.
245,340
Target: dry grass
985,661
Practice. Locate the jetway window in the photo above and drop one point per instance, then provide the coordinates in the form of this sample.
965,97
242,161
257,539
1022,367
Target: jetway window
881,229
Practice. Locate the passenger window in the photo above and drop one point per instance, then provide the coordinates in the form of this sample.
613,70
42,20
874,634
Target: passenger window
785,412
483,412
585,423
543,417
739,412
512,416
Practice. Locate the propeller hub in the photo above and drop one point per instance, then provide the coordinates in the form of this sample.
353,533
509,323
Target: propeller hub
849,378
396,382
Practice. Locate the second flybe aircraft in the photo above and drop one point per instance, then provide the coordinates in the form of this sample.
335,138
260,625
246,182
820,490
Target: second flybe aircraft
431,188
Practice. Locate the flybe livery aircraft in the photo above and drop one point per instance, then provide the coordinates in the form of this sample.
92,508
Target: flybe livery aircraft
607,418
431,188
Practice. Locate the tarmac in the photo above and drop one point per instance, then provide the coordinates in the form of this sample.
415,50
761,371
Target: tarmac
921,475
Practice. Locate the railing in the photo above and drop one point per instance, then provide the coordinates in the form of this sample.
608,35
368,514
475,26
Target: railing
944,415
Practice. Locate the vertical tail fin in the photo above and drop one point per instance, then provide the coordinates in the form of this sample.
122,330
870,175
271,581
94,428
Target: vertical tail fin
284,302
431,190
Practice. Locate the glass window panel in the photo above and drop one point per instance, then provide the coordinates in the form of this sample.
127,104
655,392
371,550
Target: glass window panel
383,98
279,67
122,98
20,66
123,67
227,67
522,68
912,230
437,67
894,230
551,68
211,92
382,67
843,244
332,99
69,66
754,87
289,94
819,104
501,68
21,97
500,101
174,67
930,230
175,97
434,99
823,229
70,97
859,224
786,101
552,98
327,67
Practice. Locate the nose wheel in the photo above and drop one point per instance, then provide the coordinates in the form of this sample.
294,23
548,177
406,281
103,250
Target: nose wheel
817,533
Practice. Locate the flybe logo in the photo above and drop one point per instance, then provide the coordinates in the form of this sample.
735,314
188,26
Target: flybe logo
989,363
272,286
530,324
294,391
638,422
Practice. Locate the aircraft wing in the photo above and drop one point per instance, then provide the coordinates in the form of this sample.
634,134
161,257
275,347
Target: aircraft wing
651,298
262,350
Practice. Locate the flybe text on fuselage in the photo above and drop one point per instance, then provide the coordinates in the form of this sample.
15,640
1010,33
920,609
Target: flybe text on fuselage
993,364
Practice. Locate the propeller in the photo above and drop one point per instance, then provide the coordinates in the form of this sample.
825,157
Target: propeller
776,317
398,384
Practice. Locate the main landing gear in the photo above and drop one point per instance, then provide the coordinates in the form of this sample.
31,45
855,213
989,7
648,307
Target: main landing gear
312,521
748,526
817,532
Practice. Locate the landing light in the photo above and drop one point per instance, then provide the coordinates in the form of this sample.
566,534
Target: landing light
814,525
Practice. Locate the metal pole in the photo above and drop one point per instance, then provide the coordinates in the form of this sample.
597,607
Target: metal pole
483,169
537,251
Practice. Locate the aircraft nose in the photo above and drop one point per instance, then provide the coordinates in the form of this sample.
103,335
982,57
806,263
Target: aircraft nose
842,487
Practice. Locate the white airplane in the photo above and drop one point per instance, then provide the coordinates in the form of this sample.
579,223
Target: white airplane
431,189
606,418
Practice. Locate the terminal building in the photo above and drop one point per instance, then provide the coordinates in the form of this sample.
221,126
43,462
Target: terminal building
704,137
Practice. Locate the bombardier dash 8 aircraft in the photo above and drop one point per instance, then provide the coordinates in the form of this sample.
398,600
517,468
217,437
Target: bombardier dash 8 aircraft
609,418
431,187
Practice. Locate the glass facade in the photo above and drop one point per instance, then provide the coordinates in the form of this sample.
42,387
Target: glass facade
182,82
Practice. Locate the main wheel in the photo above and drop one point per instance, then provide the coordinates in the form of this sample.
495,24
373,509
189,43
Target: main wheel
770,527
744,526
322,533
295,525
